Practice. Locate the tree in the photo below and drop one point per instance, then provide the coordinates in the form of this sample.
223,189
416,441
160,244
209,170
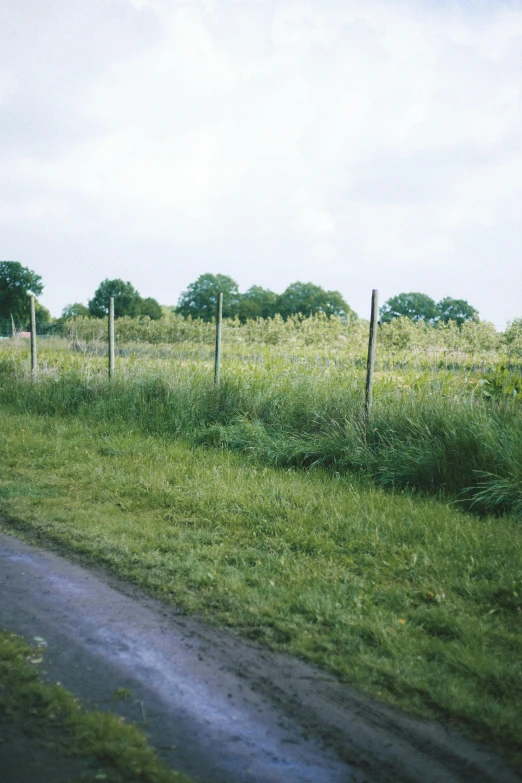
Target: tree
456,310
415,306
257,302
16,282
126,299
42,314
200,298
309,299
150,307
75,310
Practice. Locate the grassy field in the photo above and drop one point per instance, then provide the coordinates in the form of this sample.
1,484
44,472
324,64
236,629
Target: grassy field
412,600
447,422
269,506
48,724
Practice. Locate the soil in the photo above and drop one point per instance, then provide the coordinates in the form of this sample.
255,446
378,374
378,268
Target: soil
215,706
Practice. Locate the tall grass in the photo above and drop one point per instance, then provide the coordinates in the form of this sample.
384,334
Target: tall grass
431,431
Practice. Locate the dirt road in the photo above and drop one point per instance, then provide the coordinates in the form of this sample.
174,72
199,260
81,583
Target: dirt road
219,708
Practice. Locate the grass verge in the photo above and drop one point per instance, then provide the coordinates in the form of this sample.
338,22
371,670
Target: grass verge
435,432
411,600
47,725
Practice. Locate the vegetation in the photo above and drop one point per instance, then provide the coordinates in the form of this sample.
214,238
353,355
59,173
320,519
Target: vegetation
412,600
304,299
127,301
342,557
16,282
200,298
420,307
52,718
449,423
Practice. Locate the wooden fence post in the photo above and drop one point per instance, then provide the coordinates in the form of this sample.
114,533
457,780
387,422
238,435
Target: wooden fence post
34,367
371,355
111,338
217,357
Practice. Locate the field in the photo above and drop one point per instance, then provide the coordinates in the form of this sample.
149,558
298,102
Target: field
388,553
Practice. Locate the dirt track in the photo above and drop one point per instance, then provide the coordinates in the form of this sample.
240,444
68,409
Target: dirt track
219,708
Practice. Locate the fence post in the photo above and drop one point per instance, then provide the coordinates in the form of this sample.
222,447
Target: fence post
371,355
13,328
34,368
111,338
217,358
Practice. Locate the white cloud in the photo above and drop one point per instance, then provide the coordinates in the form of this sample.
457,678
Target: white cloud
257,138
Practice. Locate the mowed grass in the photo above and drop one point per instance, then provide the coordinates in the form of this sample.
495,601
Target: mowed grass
414,601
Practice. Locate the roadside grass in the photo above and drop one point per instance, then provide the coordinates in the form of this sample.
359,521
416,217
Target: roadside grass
414,601
53,724
432,430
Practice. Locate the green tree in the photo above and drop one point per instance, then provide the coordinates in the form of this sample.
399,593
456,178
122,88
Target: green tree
415,306
126,299
257,302
150,307
43,315
309,299
456,310
200,298
75,310
16,282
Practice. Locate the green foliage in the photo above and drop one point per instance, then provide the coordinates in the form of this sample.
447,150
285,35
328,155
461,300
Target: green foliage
127,300
308,299
257,302
149,307
16,282
42,314
415,306
512,338
457,310
435,431
75,310
200,298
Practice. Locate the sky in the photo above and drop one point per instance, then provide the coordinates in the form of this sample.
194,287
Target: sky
355,144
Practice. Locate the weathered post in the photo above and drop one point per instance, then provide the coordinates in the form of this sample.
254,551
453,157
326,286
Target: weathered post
34,368
371,355
13,328
217,358
111,338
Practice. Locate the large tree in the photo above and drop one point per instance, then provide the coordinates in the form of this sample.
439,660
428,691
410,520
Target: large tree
415,306
200,298
75,310
150,307
16,282
126,299
309,299
456,310
257,302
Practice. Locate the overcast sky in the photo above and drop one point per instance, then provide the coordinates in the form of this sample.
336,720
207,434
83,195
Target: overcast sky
355,144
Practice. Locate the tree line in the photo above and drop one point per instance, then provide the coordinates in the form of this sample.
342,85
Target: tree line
200,300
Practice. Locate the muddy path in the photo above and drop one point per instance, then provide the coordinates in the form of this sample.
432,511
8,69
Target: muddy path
221,709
